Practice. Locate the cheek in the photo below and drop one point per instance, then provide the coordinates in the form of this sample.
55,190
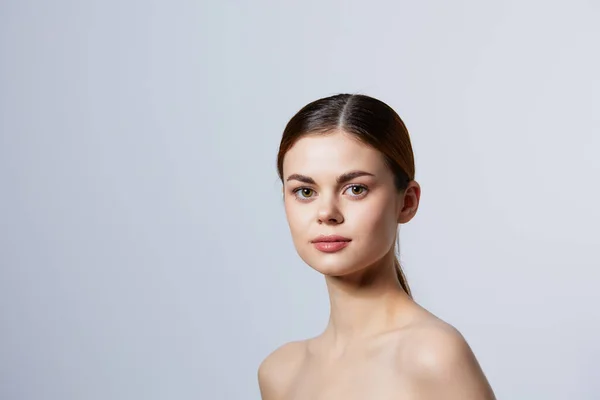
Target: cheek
376,222
296,218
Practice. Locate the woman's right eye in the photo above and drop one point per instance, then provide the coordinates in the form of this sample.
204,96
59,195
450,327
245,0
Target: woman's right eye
304,193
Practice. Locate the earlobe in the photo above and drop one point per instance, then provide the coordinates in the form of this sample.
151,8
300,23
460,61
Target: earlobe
404,216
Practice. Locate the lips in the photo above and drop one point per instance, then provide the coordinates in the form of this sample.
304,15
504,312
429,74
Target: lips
331,243
330,238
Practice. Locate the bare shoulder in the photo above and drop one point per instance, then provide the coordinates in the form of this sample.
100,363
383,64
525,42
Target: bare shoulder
440,362
431,341
276,371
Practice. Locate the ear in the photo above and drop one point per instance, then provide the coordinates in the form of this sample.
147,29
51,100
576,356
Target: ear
409,202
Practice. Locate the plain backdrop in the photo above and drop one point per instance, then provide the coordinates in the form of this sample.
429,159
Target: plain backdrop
144,251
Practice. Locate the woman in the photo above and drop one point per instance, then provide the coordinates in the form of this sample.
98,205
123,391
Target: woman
347,168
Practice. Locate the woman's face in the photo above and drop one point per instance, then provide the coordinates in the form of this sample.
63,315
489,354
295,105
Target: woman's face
364,207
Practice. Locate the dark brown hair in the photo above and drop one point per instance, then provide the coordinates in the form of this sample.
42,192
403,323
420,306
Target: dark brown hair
371,121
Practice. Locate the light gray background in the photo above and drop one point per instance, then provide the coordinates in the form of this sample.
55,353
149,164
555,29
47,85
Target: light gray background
143,244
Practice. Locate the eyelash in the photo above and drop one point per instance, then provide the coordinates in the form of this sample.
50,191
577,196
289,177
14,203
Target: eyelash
305,199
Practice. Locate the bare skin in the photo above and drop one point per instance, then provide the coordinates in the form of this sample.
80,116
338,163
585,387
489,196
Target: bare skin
379,343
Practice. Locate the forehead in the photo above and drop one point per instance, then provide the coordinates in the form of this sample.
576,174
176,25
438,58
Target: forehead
331,153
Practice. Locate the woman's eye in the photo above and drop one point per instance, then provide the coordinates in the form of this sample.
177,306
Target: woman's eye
305,193
357,190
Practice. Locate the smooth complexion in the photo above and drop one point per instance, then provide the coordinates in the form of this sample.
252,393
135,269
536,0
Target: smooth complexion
379,343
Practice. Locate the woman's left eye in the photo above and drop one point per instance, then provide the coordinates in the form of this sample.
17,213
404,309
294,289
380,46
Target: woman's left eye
356,190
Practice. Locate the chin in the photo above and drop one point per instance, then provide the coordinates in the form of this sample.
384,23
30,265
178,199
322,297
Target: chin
332,264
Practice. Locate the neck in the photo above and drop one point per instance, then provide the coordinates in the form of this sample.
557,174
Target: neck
365,303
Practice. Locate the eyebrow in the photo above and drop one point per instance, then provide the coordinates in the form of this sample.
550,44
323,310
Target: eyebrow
348,176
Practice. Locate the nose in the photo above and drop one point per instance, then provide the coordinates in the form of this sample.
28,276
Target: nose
329,212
